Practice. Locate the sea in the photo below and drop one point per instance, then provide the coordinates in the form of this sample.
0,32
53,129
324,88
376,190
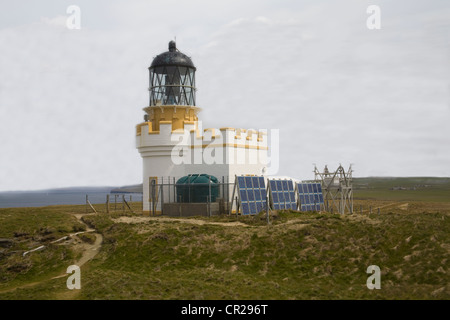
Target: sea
41,198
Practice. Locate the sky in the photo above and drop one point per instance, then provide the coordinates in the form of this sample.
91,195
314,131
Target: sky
337,91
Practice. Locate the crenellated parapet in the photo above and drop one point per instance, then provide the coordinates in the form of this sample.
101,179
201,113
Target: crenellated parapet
169,134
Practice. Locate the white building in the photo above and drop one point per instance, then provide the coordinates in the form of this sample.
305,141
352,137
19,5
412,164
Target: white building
173,143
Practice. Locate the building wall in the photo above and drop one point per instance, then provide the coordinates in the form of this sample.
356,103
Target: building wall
224,152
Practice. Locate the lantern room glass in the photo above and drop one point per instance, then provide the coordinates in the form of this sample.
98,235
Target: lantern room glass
172,85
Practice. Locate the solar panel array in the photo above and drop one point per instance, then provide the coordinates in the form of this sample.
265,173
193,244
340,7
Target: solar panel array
282,194
252,194
310,196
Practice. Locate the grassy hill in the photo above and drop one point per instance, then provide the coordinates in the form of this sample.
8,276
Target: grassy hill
297,256
402,189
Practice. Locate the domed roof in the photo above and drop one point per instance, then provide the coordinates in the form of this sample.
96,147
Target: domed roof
173,57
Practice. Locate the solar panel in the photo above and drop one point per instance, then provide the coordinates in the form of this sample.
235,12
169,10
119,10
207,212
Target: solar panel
310,196
252,194
282,194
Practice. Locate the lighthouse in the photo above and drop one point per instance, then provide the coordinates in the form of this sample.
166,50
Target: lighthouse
172,141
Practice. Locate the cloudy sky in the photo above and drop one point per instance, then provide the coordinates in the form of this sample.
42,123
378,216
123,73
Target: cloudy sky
337,91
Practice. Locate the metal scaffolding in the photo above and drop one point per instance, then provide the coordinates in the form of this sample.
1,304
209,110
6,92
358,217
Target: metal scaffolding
337,189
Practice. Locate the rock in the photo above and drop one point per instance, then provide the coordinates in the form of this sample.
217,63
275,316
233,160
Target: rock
20,234
398,274
438,291
441,270
46,231
48,238
161,235
19,267
6,243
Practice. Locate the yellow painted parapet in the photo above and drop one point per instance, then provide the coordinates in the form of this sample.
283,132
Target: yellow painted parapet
245,139
213,133
231,145
197,133
143,124
177,119
250,133
239,132
261,135
139,128
178,115
225,137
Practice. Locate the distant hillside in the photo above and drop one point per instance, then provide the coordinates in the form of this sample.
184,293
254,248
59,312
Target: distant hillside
402,188
137,188
405,181
78,190
85,190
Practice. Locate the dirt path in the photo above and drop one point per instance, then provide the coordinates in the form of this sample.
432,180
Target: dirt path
88,252
135,220
291,224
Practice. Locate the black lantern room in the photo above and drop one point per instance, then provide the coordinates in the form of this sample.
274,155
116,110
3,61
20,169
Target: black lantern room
172,79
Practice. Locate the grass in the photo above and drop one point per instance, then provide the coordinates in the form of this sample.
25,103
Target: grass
309,256
427,189
30,228
297,256
87,237
37,222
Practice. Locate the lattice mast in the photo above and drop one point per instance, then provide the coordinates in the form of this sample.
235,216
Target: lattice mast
337,188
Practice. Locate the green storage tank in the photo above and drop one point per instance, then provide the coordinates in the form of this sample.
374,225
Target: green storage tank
195,188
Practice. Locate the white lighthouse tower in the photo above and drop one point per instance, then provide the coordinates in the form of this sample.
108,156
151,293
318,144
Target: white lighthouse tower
173,143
